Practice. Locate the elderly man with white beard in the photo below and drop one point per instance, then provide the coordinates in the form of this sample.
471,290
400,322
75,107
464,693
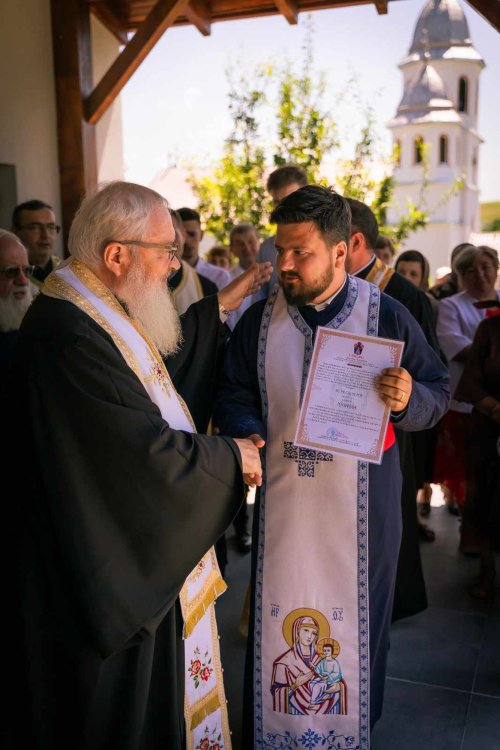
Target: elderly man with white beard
16,292
111,576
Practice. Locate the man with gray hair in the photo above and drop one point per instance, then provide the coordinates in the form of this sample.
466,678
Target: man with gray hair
15,291
112,575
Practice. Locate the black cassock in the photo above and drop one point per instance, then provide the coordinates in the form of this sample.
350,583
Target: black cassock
110,511
410,595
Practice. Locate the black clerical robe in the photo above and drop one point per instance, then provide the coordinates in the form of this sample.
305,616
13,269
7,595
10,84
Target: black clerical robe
238,412
410,595
111,511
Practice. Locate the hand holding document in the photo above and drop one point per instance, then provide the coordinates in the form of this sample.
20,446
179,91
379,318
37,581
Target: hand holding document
348,400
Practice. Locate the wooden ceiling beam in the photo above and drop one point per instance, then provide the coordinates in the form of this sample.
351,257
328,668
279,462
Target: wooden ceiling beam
381,6
110,20
198,14
149,32
289,9
488,10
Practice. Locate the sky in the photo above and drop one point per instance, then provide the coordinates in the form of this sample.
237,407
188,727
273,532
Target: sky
175,108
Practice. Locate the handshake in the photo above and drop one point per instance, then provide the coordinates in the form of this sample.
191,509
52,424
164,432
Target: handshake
250,459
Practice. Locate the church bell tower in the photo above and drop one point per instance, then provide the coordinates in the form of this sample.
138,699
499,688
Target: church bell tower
436,125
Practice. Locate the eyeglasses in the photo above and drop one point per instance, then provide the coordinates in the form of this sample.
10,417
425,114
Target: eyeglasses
13,272
37,227
172,248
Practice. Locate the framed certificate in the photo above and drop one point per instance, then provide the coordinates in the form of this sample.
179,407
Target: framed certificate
341,411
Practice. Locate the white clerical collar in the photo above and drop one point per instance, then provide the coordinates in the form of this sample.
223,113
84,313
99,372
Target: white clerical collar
324,305
363,268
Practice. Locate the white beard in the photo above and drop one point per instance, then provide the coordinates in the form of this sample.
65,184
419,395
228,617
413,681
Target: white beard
13,310
150,304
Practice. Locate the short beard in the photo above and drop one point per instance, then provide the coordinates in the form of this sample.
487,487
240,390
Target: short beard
13,310
308,294
149,303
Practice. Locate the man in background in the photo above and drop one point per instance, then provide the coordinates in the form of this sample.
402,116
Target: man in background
34,222
186,285
244,245
15,293
193,237
410,595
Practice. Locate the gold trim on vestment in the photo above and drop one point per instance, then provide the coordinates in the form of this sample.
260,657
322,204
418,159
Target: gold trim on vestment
60,289
202,603
213,700
380,268
194,610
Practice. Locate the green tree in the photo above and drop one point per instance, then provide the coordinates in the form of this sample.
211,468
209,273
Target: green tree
306,132
236,191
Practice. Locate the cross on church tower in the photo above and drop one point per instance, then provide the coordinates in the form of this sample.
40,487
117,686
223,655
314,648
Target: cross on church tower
305,458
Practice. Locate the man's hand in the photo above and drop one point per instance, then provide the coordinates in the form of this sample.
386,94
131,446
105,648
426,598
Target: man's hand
250,459
247,283
394,386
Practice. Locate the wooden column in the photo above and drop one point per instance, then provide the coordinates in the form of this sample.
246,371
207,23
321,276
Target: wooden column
71,43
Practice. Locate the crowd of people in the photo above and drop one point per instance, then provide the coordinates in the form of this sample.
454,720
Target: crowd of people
150,389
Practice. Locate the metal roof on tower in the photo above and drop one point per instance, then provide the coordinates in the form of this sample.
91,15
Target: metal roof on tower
442,30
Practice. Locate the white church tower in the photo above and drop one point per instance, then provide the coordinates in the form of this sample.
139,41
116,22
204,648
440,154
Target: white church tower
438,111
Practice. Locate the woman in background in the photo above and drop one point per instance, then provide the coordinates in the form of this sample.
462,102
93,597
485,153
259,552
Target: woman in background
480,386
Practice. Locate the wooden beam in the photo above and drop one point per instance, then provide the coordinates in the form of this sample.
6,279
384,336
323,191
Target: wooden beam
381,6
289,9
198,14
110,20
77,154
489,9
149,32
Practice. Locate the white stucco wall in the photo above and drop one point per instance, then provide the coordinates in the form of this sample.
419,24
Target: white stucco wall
109,134
28,127
28,112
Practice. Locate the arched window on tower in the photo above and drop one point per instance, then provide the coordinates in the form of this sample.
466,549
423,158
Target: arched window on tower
443,149
397,153
463,94
418,149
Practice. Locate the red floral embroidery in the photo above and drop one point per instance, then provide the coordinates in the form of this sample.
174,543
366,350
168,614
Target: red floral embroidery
211,741
205,674
200,669
195,667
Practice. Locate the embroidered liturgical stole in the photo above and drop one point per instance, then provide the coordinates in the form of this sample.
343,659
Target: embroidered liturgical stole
380,274
311,630
205,707
188,291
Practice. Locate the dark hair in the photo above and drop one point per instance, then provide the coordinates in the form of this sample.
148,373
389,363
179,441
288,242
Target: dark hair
363,220
189,214
33,205
458,249
415,256
321,205
382,242
286,175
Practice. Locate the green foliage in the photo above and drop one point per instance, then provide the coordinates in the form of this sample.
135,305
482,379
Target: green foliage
305,132
236,191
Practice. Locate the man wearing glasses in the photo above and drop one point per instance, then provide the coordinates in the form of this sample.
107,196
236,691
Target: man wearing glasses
111,571
15,292
34,222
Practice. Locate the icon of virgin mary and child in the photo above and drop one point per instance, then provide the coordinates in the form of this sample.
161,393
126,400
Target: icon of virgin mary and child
307,679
